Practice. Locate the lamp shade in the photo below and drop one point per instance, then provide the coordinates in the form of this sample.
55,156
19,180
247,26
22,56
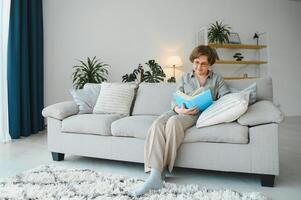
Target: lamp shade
174,61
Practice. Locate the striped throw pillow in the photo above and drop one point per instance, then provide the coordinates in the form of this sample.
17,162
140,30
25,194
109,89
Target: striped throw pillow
115,98
226,109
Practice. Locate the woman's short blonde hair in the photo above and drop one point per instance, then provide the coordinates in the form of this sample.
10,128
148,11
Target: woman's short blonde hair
203,50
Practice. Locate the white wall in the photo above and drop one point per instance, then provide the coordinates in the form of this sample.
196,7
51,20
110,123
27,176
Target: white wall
126,33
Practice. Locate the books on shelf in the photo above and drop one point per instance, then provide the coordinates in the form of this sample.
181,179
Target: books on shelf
200,98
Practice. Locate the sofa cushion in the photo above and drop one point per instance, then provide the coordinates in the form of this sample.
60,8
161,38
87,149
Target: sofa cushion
137,126
264,87
261,112
226,109
133,126
115,98
226,132
99,124
153,98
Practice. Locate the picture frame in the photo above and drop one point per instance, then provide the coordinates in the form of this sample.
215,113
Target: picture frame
234,38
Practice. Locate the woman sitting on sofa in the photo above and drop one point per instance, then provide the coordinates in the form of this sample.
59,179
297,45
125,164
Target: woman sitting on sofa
167,131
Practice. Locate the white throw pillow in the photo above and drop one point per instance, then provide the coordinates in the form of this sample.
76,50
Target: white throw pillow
85,99
251,88
115,98
226,109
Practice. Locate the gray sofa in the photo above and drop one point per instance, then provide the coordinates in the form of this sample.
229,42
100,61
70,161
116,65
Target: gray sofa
229,147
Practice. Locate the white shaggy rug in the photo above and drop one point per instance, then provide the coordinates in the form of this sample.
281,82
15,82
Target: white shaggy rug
51,182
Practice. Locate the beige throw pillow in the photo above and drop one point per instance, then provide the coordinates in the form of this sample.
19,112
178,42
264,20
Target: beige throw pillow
115,98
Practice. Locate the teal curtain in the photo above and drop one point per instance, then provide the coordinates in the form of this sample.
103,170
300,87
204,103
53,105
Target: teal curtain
25,68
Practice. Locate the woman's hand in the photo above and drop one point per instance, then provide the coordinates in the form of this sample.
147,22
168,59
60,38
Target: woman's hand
184,110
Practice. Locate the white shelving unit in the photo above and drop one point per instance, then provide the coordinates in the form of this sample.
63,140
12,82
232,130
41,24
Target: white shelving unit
254,64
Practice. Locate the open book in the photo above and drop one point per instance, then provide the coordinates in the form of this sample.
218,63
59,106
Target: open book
200,99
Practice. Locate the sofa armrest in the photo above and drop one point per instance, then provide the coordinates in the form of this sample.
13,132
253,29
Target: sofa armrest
61,110
261,112
264,149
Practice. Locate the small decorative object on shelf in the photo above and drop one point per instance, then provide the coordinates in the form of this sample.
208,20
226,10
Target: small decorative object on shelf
238,56
256,36
234,38
219,33
245,75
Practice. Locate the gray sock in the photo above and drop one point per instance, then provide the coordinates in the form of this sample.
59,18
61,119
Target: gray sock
154,182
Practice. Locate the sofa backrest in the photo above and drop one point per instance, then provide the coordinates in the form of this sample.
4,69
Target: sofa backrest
155,98
264,87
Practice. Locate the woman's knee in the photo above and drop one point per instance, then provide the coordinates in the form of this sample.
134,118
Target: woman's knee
173,120
158,123
174,128
172,124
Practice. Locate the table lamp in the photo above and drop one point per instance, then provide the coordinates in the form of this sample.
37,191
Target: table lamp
174,61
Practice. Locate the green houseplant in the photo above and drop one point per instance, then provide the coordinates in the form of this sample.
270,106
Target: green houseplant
219,33
92,71
154,75
134,75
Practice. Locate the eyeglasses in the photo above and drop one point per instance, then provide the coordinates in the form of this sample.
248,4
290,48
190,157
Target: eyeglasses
203,64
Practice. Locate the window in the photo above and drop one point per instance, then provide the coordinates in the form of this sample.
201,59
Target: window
4,24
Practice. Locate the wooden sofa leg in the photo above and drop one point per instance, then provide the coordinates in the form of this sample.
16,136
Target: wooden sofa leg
267,180
57,156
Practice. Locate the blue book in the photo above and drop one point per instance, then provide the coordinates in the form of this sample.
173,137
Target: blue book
202,100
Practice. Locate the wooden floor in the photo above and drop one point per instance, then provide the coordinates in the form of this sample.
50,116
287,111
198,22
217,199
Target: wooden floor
31,152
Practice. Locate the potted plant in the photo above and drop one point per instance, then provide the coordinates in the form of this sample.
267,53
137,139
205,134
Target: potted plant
92,71
134,76
154,75
219,33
